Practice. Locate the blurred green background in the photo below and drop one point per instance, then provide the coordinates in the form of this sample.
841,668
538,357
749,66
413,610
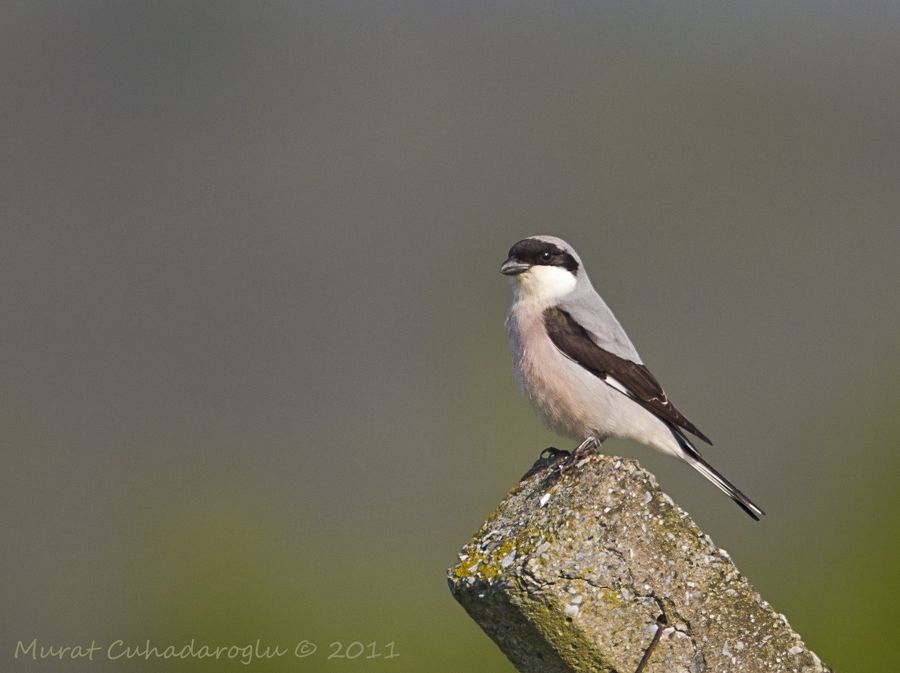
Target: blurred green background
253,371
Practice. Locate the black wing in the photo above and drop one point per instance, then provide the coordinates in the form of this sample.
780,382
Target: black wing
629,378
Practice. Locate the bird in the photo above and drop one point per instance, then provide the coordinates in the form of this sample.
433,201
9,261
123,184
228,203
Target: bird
580,371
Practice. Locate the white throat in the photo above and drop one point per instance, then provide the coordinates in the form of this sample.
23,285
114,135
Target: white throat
544,283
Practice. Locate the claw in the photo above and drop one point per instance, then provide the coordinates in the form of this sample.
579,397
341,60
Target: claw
589,444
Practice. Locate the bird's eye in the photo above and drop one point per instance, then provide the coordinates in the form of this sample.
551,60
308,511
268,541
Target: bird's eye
546,256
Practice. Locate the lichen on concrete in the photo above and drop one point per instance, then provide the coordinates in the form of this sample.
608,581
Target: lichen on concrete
576,566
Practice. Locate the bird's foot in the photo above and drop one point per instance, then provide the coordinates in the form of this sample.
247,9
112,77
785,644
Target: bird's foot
549,456
585,448
552,453
580,453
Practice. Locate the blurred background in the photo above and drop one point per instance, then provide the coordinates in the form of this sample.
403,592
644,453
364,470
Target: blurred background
254,379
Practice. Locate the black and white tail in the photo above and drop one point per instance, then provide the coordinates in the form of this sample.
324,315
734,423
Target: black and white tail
695,460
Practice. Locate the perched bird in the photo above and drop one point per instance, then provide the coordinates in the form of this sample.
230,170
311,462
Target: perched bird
579,369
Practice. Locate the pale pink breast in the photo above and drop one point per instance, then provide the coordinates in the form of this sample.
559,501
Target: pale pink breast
540,373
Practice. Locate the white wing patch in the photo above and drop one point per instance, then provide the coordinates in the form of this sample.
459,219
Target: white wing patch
610,381
618,386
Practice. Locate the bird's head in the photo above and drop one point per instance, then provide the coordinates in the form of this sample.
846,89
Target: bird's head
543,268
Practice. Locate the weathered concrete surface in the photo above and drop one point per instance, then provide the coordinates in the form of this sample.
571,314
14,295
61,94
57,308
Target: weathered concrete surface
574,568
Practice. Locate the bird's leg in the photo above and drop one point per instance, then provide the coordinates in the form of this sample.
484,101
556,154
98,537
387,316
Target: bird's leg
589,444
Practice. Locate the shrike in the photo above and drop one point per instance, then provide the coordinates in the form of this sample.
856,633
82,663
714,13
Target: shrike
579,369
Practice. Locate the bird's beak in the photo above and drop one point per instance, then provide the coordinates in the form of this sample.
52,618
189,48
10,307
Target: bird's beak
513,267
